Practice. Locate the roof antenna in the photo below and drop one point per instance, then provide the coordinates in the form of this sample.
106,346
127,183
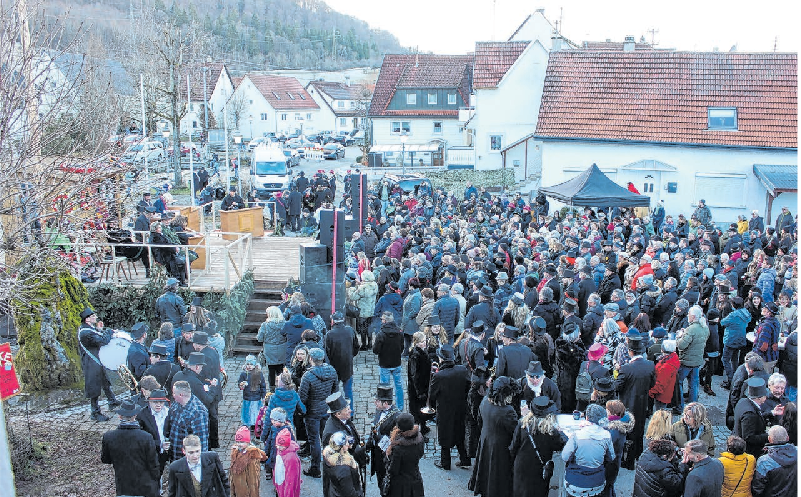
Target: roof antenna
493,19
775,43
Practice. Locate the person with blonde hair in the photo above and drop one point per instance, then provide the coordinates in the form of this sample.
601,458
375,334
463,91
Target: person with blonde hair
694,424
340,469
274,348
660,426
537,426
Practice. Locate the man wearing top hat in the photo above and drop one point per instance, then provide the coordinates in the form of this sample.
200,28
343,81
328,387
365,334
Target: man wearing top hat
160,368
92,336
340,419
192,375
749,424
169,306
210,376
535,384
183,345
138,360
386,415
483,311
634,381
513,358
447,393
341,346
133,455
154,418
142,226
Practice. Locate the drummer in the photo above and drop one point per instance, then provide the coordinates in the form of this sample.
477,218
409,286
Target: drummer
91,337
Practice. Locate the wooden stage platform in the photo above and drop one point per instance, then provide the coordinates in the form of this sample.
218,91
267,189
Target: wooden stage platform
275,260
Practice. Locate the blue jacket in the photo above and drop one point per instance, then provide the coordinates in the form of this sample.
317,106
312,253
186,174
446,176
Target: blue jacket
411,307
447,309
766,282
391,302
170,307
292,330
288,400
734,324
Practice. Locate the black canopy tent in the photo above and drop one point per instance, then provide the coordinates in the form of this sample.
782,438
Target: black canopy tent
593,188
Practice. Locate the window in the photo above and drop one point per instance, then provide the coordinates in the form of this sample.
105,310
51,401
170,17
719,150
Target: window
341,104
352,104
194,124
437,127
343,121
290,96
396,127
411,99
298,117
722,118
283,117
263,116
451,99
726,190
495,142
308,116
301,96
276,96
432,99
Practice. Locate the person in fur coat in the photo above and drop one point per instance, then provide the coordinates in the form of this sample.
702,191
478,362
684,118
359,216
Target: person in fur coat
403,456
286,476
619,422
245,465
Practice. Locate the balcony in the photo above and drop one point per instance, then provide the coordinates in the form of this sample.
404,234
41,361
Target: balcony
465,114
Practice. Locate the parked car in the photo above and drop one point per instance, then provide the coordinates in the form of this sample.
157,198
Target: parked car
409,183
185,148
292,157
140,152
342,138
256,142
333,151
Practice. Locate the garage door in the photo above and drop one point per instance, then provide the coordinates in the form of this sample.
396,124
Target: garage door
721,189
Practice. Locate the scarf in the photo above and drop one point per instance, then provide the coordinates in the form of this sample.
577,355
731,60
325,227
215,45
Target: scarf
410,437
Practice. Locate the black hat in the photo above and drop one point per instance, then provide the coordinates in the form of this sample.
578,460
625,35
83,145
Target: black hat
197,301
405,421
570,305
384,392
150,209
86,313
158,349
568,273
445,352
336,402
200,338
604,384
772,307
159,394
197,359
534,369
659,332
451,269
537,323
486,291
337,317
611,267
128,409
138,330
606,243
478,327
187,328
433,320
756,388
510,332
542,406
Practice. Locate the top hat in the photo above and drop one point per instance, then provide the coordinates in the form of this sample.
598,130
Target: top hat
158,349
604,384
138,330
534,369
197,301
597,351
187,328
384,392
336,402
200,338
86,313
159,394
197,359
478,327
129,409
510,332
486,291
542,406
756,388
445,352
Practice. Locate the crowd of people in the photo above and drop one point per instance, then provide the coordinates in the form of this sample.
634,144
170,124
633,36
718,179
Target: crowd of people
490,317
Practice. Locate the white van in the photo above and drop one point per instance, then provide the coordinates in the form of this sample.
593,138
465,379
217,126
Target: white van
153,151
269,169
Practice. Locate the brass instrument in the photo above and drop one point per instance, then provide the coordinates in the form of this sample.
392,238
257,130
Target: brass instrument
225,378
128,379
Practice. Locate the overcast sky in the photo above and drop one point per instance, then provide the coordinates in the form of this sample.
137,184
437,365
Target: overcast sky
453,26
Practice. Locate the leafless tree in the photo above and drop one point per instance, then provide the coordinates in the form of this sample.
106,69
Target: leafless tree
237,107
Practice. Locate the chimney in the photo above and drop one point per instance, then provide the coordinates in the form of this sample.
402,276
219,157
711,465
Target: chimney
540,11
416,59
556,43
628,45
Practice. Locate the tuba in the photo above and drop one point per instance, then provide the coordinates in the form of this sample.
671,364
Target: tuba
128,378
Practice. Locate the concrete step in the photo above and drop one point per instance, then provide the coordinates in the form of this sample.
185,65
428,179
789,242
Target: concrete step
246,349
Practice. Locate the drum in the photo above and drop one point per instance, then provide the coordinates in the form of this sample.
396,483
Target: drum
115,352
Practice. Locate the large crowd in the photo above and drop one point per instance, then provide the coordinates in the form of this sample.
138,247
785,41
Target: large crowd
526,335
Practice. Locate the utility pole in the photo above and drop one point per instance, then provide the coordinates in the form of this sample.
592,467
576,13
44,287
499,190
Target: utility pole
144,121
191,145
653,33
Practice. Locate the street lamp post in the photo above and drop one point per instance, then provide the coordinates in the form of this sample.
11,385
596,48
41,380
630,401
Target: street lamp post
403,139
238,141
250,118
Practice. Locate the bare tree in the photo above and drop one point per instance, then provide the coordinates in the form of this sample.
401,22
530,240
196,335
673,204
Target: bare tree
237,107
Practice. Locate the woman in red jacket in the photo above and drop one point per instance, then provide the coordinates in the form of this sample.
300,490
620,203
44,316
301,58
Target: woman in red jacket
667,365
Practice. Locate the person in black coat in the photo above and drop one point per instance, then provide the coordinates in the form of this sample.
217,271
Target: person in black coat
665,303
90,339
536,384
213,479
418,375
539,426
341,420
403,455
513,357
549,310
142,226
659,473
633,382
448,395
748,421
160,368
294,209
232,201
155,419
586,287
483,311
706,475
341,346
132,452
592,320
609,283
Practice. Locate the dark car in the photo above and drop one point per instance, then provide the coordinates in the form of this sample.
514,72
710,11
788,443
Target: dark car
409,183
333,151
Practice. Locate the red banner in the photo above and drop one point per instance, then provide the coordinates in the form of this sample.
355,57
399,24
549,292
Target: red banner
9,384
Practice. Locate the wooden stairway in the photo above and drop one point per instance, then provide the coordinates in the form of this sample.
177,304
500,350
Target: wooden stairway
265,294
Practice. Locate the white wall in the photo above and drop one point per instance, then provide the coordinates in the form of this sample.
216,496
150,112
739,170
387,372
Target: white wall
219,91
326,120
256,104
689,163
422,131
536,28
511,109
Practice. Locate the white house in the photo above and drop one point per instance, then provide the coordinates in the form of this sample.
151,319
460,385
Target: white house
342,105
680,126
275,104
417,97
210,82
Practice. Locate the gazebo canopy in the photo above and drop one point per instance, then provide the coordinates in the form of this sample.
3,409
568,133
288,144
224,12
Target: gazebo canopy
593,188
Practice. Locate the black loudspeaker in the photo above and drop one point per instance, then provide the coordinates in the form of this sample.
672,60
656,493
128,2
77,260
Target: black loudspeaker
313,262
319,295
374,159
331,239
351,226
358,191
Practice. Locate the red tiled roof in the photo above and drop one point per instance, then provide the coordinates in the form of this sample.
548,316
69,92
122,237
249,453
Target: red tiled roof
660,96
283,92
420,71
493,60
195,73
235,80
612,45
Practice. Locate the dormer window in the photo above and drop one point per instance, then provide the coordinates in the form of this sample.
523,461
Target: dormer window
722,118
411,99
276,96
301,96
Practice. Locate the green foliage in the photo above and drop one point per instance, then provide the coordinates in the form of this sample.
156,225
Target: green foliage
456,180
231,309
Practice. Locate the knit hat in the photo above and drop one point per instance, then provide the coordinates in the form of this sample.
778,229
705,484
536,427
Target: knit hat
243,434
278,414
595,413
683,304
283,438
250,359
317,354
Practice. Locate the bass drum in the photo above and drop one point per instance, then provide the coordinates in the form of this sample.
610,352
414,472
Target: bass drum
115,353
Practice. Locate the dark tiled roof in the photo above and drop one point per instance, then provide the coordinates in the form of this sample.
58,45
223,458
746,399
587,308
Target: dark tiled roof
283,92
775,177
663,97
493,60
612,45
420,71
195,73
338,91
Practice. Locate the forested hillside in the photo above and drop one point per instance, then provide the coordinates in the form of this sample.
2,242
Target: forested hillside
249,34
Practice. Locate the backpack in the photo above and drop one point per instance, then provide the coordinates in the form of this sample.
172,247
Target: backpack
584,384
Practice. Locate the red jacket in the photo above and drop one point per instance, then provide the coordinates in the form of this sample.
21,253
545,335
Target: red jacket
642,271
666,368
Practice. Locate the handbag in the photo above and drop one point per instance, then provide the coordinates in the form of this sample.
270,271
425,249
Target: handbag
547,467
352,311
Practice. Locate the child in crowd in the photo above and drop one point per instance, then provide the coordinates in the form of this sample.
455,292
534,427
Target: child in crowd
287,466
253,386
286,398
268,435
245,458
